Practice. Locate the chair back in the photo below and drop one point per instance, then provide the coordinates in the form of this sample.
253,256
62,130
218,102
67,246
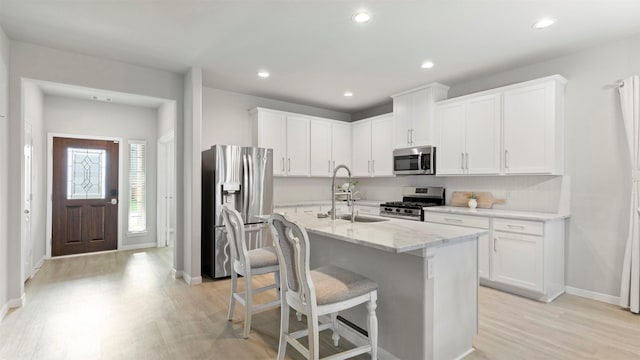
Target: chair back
236,235
292,245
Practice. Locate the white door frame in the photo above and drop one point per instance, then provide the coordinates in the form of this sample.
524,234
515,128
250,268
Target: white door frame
165,187
27,198
121,185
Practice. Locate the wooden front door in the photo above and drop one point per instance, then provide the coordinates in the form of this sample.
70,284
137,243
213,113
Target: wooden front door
85,196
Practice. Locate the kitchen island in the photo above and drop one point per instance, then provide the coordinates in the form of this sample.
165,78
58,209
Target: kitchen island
427,276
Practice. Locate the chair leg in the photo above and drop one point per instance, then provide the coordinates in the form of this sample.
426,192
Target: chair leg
234,289
314,344
284,329
372,321
334,326
248,308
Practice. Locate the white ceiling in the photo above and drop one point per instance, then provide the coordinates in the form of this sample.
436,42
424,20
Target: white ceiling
312,48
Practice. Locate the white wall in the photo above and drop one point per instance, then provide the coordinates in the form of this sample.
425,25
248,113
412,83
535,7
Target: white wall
42,63
33,102
226,120
70,116
4,171
166,116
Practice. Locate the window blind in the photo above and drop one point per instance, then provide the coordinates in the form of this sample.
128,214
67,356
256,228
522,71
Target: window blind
137,187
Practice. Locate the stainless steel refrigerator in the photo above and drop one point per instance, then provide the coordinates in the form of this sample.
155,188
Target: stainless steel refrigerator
241,177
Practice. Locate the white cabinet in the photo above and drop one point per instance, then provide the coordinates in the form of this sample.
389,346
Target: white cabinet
320,143
413,113
288,136
340,144
533,128
330,146
518,260
367,210
469,136
519,256
372,147
516,129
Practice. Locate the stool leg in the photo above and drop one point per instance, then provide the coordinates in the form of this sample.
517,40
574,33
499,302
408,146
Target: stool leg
276,276
314,344
284,329
334,326
372,321
234,289
248,306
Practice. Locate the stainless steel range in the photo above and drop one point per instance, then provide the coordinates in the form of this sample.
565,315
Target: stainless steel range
413,200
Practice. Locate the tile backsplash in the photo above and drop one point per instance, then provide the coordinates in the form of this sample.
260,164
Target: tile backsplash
531,193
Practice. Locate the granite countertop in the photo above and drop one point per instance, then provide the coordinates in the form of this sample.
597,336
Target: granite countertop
325,202
392,235
510,214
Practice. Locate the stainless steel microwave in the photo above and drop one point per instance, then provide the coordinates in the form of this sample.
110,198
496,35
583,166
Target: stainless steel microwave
415,161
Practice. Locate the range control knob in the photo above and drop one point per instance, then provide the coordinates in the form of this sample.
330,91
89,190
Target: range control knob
408,211
397,210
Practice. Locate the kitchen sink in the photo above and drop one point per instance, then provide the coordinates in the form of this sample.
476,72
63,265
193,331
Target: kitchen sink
362,219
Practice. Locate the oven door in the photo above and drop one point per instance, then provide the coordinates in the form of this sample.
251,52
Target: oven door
414,161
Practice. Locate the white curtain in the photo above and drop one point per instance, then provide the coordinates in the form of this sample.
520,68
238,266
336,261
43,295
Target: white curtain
630,287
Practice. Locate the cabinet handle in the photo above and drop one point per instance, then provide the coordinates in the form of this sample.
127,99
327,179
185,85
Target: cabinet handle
412,133
409,136
283,164
373,166
462,160
369,166
495,245
334,164
452,220
515,226
506,159
329,165
467,163
289,164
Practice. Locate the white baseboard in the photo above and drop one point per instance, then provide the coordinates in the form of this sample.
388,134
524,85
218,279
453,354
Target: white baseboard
4,310
464,355
191,280
15,303
615,300
138,246
176,274
37,267
356,338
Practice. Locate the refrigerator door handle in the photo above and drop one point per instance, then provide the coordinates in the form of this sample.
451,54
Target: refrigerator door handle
245,187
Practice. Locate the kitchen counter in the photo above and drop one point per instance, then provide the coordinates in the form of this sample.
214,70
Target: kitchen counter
393,235
509,214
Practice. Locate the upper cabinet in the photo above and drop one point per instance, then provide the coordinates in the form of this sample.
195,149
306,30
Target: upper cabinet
372,146
295,151
516,129
288,136
469,136
533,128
413,115
330,146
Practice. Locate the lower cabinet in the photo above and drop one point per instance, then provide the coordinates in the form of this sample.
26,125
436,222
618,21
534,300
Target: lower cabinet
518,260
367,210
518,256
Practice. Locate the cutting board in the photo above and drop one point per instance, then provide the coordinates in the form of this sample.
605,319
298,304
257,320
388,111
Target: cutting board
485,199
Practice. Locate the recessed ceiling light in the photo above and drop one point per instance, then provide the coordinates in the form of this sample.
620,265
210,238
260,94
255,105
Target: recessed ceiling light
427,65
263,74
348,94
544,23
361,17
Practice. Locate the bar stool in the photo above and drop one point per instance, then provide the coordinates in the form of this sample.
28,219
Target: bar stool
248,263
326,290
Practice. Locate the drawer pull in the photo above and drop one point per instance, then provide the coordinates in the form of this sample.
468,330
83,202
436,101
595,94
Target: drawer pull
495,245
452,220
515,226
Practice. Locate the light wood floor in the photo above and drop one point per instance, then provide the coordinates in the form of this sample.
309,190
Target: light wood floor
126,306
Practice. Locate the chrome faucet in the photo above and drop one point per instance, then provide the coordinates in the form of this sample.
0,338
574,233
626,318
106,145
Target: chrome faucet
350,202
